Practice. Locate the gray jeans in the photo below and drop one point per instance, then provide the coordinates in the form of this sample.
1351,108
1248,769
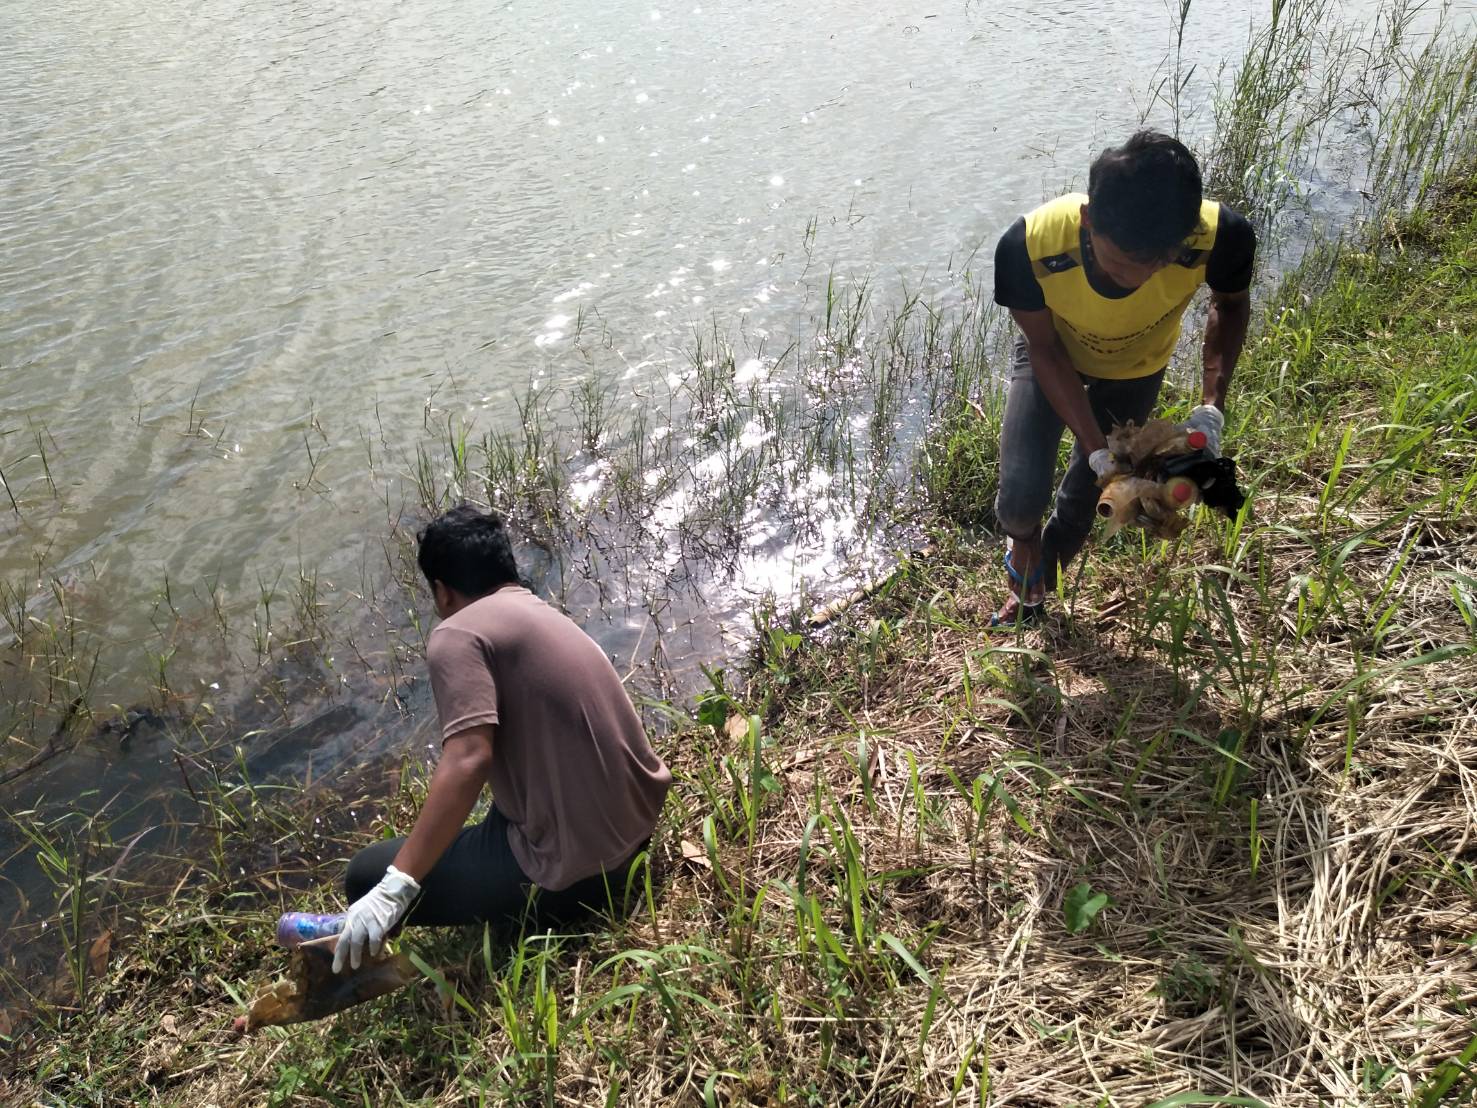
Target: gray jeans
1029,436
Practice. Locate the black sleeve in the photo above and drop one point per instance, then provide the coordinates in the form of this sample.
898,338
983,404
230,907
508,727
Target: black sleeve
1015,285
1228,269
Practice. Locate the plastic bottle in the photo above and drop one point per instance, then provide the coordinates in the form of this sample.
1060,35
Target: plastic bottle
1180,492
1158,438
296,928
1119,500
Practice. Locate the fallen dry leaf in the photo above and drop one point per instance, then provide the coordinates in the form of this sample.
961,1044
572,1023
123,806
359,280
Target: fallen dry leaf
695,854
736,727
168,1025
448,1002
7,1025
97,954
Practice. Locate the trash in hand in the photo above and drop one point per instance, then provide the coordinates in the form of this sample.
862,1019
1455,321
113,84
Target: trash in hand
296,928
1169,471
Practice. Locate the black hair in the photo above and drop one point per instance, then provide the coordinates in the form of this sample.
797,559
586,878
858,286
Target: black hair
468,550
1145,195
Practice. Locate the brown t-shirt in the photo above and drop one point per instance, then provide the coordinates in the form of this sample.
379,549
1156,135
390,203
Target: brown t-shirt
572,769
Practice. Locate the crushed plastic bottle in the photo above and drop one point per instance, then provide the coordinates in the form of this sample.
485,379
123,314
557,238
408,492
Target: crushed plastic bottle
311,990
296,928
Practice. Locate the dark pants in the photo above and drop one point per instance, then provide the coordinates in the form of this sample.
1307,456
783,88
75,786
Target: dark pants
1029,435
478,880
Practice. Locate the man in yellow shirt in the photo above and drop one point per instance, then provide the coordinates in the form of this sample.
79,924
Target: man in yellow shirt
1097,285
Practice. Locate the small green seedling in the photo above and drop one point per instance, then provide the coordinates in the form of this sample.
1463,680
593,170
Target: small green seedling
1081,906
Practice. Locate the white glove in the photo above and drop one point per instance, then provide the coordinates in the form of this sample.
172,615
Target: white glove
1103,463
1210,421
370,918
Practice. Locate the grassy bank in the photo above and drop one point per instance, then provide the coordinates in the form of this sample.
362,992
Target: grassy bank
1211,829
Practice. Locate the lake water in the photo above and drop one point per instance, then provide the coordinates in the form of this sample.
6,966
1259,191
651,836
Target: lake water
252,255
231,234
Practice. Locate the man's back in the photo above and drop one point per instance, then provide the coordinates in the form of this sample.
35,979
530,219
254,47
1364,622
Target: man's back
572,769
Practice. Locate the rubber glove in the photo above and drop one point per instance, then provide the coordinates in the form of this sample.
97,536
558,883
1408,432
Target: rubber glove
371,917
1104,464
1210,421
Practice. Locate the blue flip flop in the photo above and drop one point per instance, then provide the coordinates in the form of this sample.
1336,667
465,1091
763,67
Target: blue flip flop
1026,613
1022,582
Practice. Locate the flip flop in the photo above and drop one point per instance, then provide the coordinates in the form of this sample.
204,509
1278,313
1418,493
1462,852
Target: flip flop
1025,583
1025,613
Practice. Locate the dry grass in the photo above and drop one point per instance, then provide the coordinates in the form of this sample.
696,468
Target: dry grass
1287,970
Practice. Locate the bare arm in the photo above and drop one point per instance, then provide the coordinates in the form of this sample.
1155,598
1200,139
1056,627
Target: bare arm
1058,377
1225,335
455,786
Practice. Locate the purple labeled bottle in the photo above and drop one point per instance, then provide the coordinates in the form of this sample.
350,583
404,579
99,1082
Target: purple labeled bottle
296,928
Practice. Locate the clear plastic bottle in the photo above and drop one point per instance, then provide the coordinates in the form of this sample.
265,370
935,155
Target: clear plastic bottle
296,928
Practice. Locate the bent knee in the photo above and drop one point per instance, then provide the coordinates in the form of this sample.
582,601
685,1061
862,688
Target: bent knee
367,867
1015,518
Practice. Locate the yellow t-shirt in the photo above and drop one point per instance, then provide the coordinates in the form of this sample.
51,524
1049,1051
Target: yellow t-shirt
1116,337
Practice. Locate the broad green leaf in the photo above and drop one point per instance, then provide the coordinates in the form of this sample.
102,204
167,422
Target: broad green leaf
1081,907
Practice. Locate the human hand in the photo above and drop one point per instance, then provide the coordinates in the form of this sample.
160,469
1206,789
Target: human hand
371,917
1209,421
1104,464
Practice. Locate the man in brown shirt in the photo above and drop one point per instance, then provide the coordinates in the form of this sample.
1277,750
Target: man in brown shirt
528,703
